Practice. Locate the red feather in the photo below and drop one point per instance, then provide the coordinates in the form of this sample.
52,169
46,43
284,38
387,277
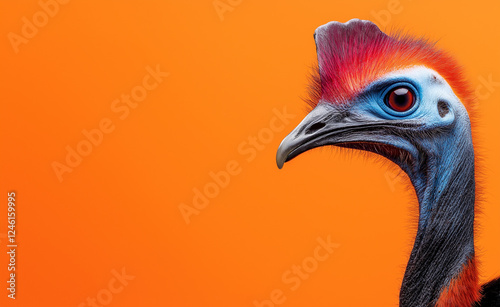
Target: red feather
352,55
463,290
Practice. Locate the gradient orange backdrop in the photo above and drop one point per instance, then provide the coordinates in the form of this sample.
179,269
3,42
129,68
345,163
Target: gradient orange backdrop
229,74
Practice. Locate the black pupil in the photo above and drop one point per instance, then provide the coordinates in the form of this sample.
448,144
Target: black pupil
401,98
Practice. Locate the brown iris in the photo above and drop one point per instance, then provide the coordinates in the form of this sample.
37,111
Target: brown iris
400,99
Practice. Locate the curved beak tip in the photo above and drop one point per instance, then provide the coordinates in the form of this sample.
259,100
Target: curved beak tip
279,160
281,156
279,164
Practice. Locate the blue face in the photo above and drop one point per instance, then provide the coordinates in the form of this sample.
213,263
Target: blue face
413,94
405,116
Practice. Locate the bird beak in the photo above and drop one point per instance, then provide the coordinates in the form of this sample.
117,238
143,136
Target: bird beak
324,125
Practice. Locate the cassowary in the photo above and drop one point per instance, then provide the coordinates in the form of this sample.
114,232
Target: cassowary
402,98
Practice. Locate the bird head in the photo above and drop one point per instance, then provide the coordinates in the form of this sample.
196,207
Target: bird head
396,96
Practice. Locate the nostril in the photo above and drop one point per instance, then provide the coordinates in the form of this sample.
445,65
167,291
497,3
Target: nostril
443,108
315,127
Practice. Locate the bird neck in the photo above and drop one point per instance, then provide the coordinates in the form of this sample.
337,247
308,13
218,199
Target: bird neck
441,270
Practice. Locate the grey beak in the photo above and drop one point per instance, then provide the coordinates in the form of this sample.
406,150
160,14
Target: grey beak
315,130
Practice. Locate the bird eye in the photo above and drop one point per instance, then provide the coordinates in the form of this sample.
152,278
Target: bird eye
400,99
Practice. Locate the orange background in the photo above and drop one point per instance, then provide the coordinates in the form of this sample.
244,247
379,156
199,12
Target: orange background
120,207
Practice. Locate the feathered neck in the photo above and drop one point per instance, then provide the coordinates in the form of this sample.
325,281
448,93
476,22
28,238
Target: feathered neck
442,269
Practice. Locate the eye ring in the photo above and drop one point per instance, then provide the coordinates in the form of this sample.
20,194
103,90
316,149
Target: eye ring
400,99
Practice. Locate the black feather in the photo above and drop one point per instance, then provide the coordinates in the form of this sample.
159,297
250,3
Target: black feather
491,294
